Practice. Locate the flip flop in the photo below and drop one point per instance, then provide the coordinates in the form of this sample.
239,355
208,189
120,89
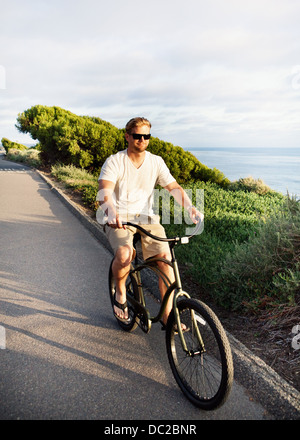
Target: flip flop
121,307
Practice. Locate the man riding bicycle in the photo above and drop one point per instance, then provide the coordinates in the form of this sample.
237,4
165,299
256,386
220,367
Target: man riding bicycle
126,184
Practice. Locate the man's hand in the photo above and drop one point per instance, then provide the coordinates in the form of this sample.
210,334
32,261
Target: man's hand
182,198
105,198
115,222
195,215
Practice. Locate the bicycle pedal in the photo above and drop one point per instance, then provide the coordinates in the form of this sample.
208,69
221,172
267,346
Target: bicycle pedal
144,324
163,326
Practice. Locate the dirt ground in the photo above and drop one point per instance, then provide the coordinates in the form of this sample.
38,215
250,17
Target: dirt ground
268,335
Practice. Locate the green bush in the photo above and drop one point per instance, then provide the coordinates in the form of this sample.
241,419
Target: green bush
7,145
249,184
234,216
80,180
70,139
72,176
86,142
232,221
30,156
264,270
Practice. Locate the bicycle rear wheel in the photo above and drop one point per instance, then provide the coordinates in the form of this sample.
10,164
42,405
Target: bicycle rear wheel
131,290
205,372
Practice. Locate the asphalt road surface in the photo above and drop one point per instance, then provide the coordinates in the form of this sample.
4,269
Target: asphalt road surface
64,356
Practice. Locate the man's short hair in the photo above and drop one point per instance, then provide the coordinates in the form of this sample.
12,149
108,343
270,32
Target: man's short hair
136,122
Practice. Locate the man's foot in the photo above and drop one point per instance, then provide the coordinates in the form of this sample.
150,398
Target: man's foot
121,311
184,328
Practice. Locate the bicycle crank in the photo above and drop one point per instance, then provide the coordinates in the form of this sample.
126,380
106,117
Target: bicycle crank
143,317
144,322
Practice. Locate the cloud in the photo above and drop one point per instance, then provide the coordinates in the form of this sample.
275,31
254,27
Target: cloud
213,72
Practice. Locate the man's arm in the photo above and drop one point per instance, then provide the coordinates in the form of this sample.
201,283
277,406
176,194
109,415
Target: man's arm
106,189
182,198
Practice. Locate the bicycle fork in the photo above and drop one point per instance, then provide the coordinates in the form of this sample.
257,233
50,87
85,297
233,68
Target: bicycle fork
178,293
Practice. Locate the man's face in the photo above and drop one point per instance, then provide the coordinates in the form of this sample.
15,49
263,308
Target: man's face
138,145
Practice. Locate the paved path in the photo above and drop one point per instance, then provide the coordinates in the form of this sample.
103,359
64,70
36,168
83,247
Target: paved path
65,356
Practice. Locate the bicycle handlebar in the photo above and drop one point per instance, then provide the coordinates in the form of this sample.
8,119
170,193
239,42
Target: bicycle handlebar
183,240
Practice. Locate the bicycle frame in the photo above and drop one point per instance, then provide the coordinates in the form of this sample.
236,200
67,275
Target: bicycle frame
175,287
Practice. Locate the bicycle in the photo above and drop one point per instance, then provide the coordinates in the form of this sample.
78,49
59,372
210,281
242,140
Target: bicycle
199,352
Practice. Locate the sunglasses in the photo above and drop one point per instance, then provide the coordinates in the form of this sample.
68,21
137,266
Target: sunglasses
139,136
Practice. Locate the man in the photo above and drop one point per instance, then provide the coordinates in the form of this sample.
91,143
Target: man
126,185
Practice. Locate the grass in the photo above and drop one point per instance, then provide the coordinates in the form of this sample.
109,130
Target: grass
265,270
79,180
29,156
248,255
72,176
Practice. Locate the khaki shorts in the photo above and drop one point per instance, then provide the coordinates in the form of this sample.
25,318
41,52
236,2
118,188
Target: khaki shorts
122,237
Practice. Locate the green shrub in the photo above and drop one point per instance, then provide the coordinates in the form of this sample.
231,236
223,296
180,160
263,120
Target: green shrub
249,184
232,221
86,142
72,176
7,145
30,156
265,269
80,180
70,139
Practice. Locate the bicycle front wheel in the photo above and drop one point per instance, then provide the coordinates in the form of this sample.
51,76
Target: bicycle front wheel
204,372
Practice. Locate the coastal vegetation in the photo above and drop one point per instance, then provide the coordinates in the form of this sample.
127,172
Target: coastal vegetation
28,156
8,145
247,257
86,142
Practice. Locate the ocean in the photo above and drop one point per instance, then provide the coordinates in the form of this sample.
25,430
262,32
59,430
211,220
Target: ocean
278,168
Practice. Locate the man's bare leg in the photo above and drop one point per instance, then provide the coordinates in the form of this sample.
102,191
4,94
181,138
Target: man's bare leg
120,269
168,271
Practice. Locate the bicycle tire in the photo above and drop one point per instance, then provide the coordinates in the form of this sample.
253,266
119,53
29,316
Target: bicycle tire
131,289
205,377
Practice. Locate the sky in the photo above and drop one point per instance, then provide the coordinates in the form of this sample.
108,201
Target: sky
217,73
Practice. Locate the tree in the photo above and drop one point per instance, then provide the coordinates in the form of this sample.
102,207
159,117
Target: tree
86,142
7,145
